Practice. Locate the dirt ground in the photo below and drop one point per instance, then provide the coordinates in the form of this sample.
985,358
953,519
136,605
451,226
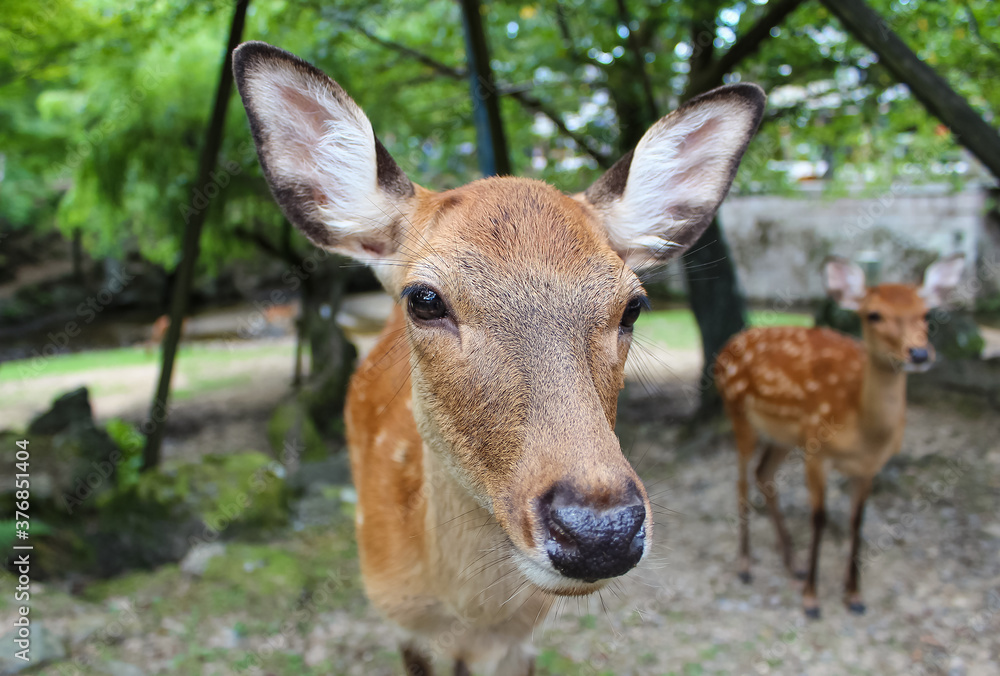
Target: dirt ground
931,579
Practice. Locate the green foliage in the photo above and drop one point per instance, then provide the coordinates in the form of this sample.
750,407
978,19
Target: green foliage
131,442
8,532
219,490
290,427
103,106
678,330
551,663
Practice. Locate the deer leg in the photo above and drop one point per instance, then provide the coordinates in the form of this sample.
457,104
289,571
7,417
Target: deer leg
461,669
415,662
852,591
766,469
746,442
816,481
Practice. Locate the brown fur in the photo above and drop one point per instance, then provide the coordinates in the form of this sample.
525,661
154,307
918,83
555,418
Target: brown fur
487,409
835,398
527,382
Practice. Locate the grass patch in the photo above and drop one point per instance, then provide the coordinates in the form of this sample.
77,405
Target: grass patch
259,587
772,318
551,663
193,356
678,330
63,364
201,386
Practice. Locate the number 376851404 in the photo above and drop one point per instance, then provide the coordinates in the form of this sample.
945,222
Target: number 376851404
21,489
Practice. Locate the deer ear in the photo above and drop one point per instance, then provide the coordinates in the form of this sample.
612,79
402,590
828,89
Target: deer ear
331,176
844,282
657,200
941,279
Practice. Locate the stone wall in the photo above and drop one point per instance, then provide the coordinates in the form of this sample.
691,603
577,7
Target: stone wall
779,243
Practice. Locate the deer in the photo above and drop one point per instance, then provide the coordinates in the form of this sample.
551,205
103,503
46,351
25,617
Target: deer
158,330
841,401
489,478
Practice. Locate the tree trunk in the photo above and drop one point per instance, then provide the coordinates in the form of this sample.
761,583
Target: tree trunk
333,355
931,89
718,306
713,291
195,219
77,256
715,295
635,103
491,144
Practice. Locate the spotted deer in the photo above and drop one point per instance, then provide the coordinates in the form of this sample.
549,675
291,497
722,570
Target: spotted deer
841,401
481,428
158,330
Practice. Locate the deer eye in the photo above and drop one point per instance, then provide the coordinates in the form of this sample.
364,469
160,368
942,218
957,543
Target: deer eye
874,317
632,311
424,303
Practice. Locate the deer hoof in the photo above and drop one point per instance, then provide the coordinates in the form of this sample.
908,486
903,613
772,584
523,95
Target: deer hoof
745,576
812,613
856,607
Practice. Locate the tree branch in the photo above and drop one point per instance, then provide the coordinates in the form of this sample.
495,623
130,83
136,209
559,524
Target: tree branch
419,57
974,26
640,62
750,42
529,102
266,245
533,104
567,37
932,90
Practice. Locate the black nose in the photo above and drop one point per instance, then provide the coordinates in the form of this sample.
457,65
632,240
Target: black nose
588,543
918,355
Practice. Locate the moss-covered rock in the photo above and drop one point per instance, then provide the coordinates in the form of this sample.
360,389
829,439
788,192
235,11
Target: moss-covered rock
68,411
221,490
167,511
293,435
70,459
260,572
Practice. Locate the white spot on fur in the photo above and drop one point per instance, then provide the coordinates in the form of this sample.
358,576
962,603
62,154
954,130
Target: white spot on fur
399,455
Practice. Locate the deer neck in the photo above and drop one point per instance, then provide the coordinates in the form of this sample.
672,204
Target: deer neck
883,400
469,555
